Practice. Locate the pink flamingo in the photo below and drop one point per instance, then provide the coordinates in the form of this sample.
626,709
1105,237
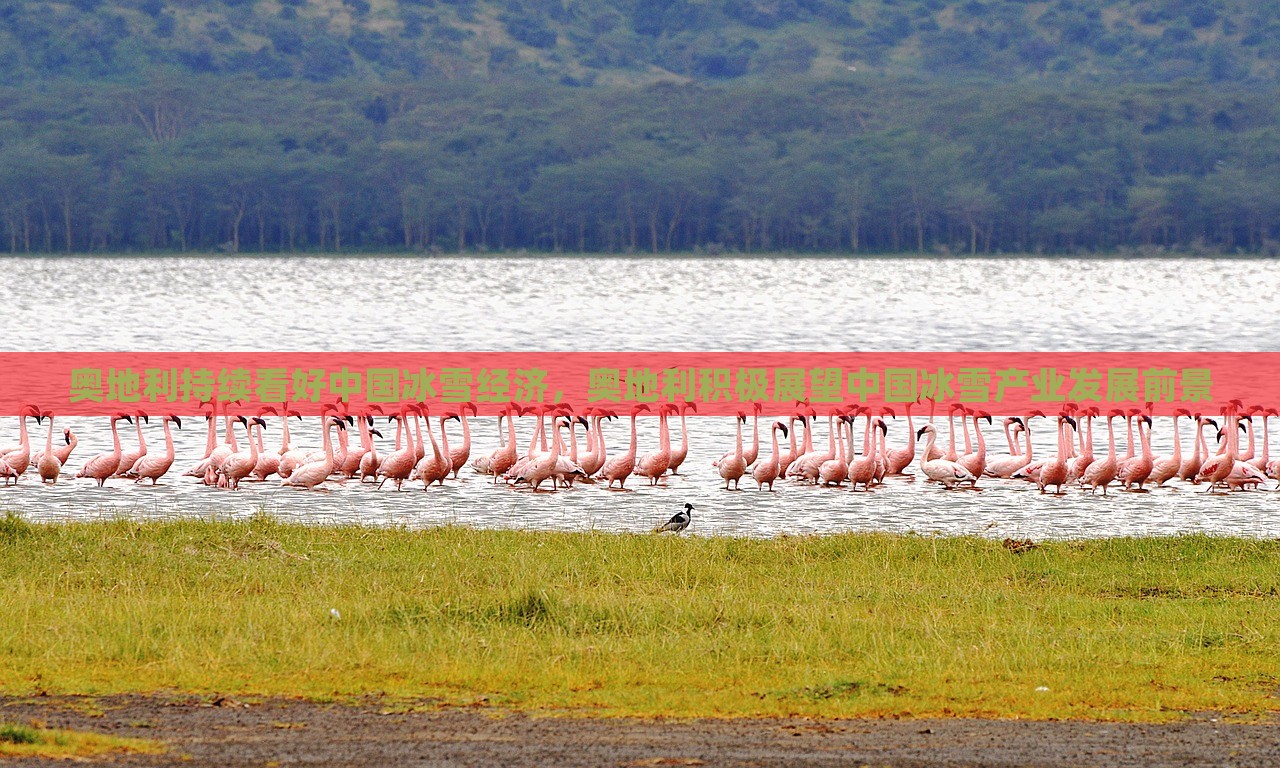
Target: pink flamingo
836,471
862,470
1054,471
619,468
48,465
436,467
63,450
734,466
27,410
398,465
16,460
751,455
1191,467
1165,469
1264,460
942,471
976,462
1102,472
1007,466
210,410
240,464
901,458
460,455
595,457
678,454
152,466
806,467
792,454
1217,468
312,474
767,471
543,466
104,465
269,460
129,458
1079,464
653,465
501,459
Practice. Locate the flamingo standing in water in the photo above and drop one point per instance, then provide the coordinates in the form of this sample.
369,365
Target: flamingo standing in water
785,461
436,467
619,468
767,471
240,464
595,456
152,466
269,460
398,465
62,450
26,411
48,465
678,454
1261,463
863,469
806,467
1217,468
753,453
104,465
459,456
976,462
734,466
210,410
1079,464
16,460
898,459
1102,472
1165,469
942,471
312,475
129,458
1054,471
1191,467
654,465
543,466
1007,466
836,471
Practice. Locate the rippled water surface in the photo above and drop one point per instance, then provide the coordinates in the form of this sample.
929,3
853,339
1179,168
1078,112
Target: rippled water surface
399,304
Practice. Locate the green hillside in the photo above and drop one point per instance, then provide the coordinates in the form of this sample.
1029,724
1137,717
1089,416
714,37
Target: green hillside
639,125
585,42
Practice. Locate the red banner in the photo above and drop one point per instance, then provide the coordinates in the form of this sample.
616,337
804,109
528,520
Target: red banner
720,383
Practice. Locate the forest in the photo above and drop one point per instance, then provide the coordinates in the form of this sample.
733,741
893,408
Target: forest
301,125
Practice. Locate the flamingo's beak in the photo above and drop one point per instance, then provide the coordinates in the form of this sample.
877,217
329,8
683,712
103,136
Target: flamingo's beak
920,433
177,421
375,432
261,421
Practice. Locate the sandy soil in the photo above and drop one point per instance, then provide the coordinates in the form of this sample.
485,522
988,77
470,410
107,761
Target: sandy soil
291,733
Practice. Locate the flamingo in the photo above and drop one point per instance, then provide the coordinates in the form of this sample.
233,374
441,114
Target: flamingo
104,465
460,455
654,465
942,471
567,470
1102,472
766,472
806,467
595,458
543,466
1008,466
1080,463
17,459
210,410
241,464
1165,469
1054,471
312,474
48,465
791,455
129,458
900,458
436,467
751,455
269,460
399,465
1191,467
1217,468
976,462
735,466
1135,471
863,469
678,454
1264,460
836,471
26,411
63,450
619,468
503,457
152,466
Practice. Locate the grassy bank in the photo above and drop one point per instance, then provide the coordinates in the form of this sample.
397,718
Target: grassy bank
842,625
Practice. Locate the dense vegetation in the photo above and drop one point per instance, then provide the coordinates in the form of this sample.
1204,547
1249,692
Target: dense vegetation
617,125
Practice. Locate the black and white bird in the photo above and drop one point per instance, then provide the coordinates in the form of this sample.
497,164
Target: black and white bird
677,523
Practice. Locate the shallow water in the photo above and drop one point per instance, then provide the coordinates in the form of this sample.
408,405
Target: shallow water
399,304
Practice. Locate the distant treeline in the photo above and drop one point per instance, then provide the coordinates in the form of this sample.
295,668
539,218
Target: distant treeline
886,165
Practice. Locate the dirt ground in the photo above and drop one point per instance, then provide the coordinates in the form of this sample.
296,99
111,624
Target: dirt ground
224,732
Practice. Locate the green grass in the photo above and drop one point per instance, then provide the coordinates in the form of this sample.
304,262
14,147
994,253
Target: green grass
30,741
850,625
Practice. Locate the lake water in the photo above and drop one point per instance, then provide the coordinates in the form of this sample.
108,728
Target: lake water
630,304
